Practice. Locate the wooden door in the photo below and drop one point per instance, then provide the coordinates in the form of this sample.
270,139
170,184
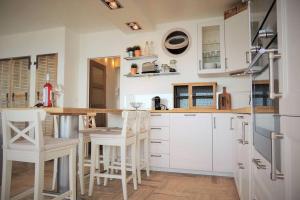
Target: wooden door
97,90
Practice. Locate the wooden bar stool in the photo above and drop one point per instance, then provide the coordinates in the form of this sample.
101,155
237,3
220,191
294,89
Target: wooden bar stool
18,145
123,139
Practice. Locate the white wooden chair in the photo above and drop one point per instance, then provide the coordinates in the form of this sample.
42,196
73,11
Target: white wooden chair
123,139
143,143
37,149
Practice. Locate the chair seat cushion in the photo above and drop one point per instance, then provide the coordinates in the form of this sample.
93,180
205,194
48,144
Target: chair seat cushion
49,143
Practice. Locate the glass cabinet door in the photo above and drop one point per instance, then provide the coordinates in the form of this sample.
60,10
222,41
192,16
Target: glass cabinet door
211,47
181,96
203,96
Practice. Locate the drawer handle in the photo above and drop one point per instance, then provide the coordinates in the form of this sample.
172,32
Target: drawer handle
155,128
258,163
240,117
156,156
155,142
190,115
155,115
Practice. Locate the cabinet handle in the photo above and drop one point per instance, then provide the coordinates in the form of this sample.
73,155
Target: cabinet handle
231,126
226,66
240,117
155,142
155,128
258,163
155,115
190,115
247,57
214,122
244,124
240,141
156,156
272,57
274,174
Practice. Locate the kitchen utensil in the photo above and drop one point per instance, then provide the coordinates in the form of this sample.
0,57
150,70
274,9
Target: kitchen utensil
224,100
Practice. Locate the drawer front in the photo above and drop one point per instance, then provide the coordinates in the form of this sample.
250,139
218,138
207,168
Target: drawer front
159,146
159,133
159,160
159,119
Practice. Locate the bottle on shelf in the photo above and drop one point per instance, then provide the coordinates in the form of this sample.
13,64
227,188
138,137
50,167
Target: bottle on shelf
151,48
47,93
146,49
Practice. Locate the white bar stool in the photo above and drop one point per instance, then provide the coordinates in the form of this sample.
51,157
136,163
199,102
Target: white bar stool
123,139
143,134
18,145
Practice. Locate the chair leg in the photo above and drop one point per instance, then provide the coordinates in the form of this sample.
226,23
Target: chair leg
81,155
54,174
6,178
147,156
72,173
92,169
134,164
39,179
106,160
138,161
98,163
123,171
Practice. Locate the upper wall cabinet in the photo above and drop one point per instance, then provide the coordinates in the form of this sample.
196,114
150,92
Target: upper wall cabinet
237,41
211,54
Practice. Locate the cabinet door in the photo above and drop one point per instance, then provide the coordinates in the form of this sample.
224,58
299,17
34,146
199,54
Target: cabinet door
211,53
191,141
222,143
237,42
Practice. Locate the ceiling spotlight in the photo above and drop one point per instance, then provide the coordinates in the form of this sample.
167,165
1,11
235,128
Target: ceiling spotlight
134,26
112,4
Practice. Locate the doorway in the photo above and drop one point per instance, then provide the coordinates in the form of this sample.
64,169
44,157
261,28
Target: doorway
104,75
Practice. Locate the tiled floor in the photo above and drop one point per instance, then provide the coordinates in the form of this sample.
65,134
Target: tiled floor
159,186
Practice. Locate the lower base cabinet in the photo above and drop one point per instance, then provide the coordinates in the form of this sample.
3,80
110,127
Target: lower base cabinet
191,141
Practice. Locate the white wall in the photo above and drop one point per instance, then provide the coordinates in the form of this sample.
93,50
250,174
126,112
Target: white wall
113,43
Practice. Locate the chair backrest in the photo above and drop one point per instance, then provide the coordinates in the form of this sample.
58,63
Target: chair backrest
143,122
129,123
32,117
89,120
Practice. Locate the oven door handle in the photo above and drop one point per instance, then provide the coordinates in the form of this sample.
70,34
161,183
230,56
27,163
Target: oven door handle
274,175
272,57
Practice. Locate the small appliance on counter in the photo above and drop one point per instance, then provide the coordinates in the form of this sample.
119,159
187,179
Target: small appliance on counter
157,104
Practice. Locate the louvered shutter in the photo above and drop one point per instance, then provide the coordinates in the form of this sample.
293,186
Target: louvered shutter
46,64
4,83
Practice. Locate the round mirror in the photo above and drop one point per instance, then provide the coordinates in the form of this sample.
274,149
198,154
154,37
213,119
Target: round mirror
176,42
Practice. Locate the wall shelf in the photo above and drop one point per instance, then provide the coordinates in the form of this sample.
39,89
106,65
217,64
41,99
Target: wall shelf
141,57
152,74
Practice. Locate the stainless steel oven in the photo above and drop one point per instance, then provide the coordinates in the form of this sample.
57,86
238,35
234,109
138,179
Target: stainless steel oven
265,73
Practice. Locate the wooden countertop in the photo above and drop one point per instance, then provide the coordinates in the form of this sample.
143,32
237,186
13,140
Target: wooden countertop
80,111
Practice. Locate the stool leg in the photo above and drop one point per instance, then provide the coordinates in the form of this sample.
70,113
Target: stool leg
134,164
92,169
123,171
147,156
54,174
6,178
81,152
39,178
106,159
138,161
72,173
98,162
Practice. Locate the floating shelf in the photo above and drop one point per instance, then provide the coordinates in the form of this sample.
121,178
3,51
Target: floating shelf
152,74
141,57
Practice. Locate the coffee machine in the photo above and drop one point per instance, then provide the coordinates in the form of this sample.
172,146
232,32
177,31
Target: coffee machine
157,104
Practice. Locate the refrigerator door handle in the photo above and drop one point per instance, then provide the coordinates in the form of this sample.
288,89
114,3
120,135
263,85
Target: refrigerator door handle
272,57
274,175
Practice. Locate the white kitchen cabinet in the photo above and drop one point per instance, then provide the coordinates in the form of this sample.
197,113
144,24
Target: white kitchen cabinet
222,142
191,141
237,41
242,150
159,140
211,50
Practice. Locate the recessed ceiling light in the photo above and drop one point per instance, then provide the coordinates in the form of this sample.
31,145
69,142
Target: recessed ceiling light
112,4
134,26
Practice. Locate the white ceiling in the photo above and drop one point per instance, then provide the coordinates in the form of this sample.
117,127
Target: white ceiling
91,15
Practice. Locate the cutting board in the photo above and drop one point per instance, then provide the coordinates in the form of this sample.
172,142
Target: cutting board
224,100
